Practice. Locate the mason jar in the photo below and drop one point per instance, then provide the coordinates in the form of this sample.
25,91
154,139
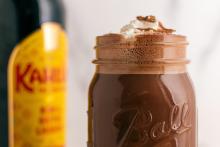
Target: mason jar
141,94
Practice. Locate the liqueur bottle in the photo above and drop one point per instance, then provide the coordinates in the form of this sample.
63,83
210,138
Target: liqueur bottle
37,75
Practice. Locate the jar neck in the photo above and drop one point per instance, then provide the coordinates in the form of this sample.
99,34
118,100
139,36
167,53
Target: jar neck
143,54
141,69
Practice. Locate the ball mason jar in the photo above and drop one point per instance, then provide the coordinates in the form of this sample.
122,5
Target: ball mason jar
141,94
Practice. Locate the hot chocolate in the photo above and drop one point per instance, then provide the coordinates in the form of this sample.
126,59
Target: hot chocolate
141,94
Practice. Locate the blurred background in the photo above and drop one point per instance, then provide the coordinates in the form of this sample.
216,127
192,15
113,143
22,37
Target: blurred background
199,20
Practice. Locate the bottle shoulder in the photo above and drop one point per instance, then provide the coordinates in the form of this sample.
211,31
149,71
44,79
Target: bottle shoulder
174,86
146,79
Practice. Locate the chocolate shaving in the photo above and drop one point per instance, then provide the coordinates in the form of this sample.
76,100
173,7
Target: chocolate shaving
165,30
147,18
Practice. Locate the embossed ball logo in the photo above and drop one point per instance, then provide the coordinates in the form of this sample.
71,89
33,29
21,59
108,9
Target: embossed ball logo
136,126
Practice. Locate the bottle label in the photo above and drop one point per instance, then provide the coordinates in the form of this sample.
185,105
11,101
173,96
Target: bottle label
37,89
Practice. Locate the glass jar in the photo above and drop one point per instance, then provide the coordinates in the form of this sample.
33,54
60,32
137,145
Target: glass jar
141,94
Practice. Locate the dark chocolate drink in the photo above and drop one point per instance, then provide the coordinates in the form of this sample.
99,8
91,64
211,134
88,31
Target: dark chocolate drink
141,94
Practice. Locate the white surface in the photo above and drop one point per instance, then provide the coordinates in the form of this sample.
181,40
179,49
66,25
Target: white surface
198,19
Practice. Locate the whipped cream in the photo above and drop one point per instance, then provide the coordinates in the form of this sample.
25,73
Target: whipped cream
144,25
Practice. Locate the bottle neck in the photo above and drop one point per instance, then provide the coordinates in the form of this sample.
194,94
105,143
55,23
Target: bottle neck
32,13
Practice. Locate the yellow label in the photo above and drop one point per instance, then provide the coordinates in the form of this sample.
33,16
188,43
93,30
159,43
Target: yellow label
37,89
